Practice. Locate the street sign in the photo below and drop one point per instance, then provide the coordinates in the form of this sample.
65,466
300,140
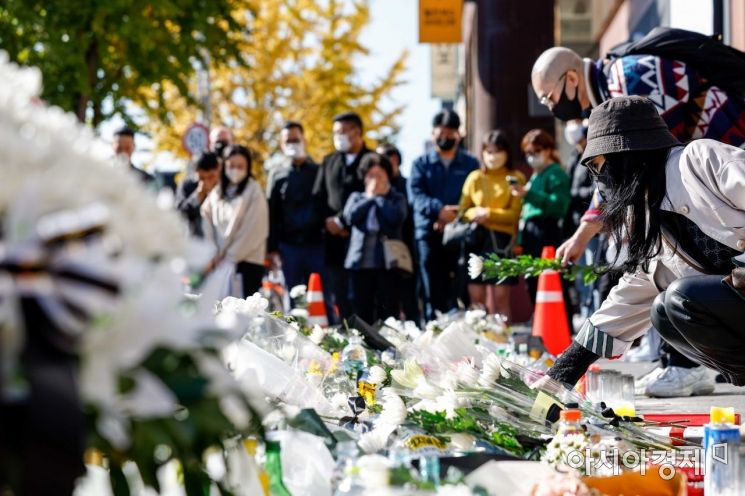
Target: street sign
440,21
444,71
196,139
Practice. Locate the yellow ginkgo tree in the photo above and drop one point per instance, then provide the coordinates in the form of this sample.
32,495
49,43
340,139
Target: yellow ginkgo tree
300,60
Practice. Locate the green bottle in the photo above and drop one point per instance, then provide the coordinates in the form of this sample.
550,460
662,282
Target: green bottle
273,467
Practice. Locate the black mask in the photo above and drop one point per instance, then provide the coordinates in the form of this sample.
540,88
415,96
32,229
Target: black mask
220,146
446,144
566,109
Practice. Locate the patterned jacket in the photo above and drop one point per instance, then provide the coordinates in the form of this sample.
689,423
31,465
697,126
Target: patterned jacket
692,107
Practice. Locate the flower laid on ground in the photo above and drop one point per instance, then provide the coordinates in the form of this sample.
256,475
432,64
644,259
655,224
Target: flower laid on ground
376,439
410,376
377,375
466,373
394,409
562,450
298,291
252,306
475,266
317,334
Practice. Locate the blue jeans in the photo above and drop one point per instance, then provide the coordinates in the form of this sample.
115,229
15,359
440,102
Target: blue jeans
299,262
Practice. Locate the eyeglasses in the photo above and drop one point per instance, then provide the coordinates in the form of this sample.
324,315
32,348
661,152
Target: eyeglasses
596,165
546,99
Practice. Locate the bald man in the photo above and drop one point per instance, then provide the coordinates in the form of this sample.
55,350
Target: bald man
570,86
220,138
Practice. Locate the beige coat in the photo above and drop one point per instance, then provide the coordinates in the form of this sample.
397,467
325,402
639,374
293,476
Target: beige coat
238,227
706,183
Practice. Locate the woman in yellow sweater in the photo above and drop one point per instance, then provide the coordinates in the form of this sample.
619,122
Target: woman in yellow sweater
486,200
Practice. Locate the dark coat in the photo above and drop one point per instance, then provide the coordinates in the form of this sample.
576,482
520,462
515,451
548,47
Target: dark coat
294,212
335,183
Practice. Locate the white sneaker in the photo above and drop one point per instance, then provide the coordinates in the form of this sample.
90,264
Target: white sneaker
640,385
647,351
678,381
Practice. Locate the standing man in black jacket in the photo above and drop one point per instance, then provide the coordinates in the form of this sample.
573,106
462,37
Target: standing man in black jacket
336,181
295,220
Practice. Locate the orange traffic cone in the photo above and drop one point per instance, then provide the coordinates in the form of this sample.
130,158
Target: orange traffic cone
550,316
316,305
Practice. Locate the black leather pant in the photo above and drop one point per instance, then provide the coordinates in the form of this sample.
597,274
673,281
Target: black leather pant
705,321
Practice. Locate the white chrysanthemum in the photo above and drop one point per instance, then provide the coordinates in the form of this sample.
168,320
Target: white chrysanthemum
256,304
373,471
490,370
298,291
394,409
318,334
377,375
300,313
475,266
474,317
467,374
376,439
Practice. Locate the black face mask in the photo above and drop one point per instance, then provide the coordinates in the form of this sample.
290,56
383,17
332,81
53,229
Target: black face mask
220,146
446,144
566,109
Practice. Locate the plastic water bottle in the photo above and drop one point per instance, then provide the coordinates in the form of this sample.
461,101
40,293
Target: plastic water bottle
571,422
722,453
354,356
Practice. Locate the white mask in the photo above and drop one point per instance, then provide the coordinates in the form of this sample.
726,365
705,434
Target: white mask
342,143
294,150
236,175
573,132
536,161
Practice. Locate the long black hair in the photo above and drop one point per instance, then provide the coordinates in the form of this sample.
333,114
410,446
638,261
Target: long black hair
633,187
231,151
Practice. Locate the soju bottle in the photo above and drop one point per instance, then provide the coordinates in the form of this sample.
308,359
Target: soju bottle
273,467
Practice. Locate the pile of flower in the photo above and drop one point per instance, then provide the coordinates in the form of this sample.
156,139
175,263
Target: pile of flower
91,266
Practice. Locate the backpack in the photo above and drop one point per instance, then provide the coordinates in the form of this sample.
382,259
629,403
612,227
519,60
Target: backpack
719,64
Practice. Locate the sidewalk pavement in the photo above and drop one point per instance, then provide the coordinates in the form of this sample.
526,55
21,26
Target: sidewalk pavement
724,395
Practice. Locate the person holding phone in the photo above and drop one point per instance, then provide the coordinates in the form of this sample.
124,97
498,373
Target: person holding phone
546,200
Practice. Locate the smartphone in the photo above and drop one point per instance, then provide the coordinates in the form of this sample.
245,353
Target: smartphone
512,180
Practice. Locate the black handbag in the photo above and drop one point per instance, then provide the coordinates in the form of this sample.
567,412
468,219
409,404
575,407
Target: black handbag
458,233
